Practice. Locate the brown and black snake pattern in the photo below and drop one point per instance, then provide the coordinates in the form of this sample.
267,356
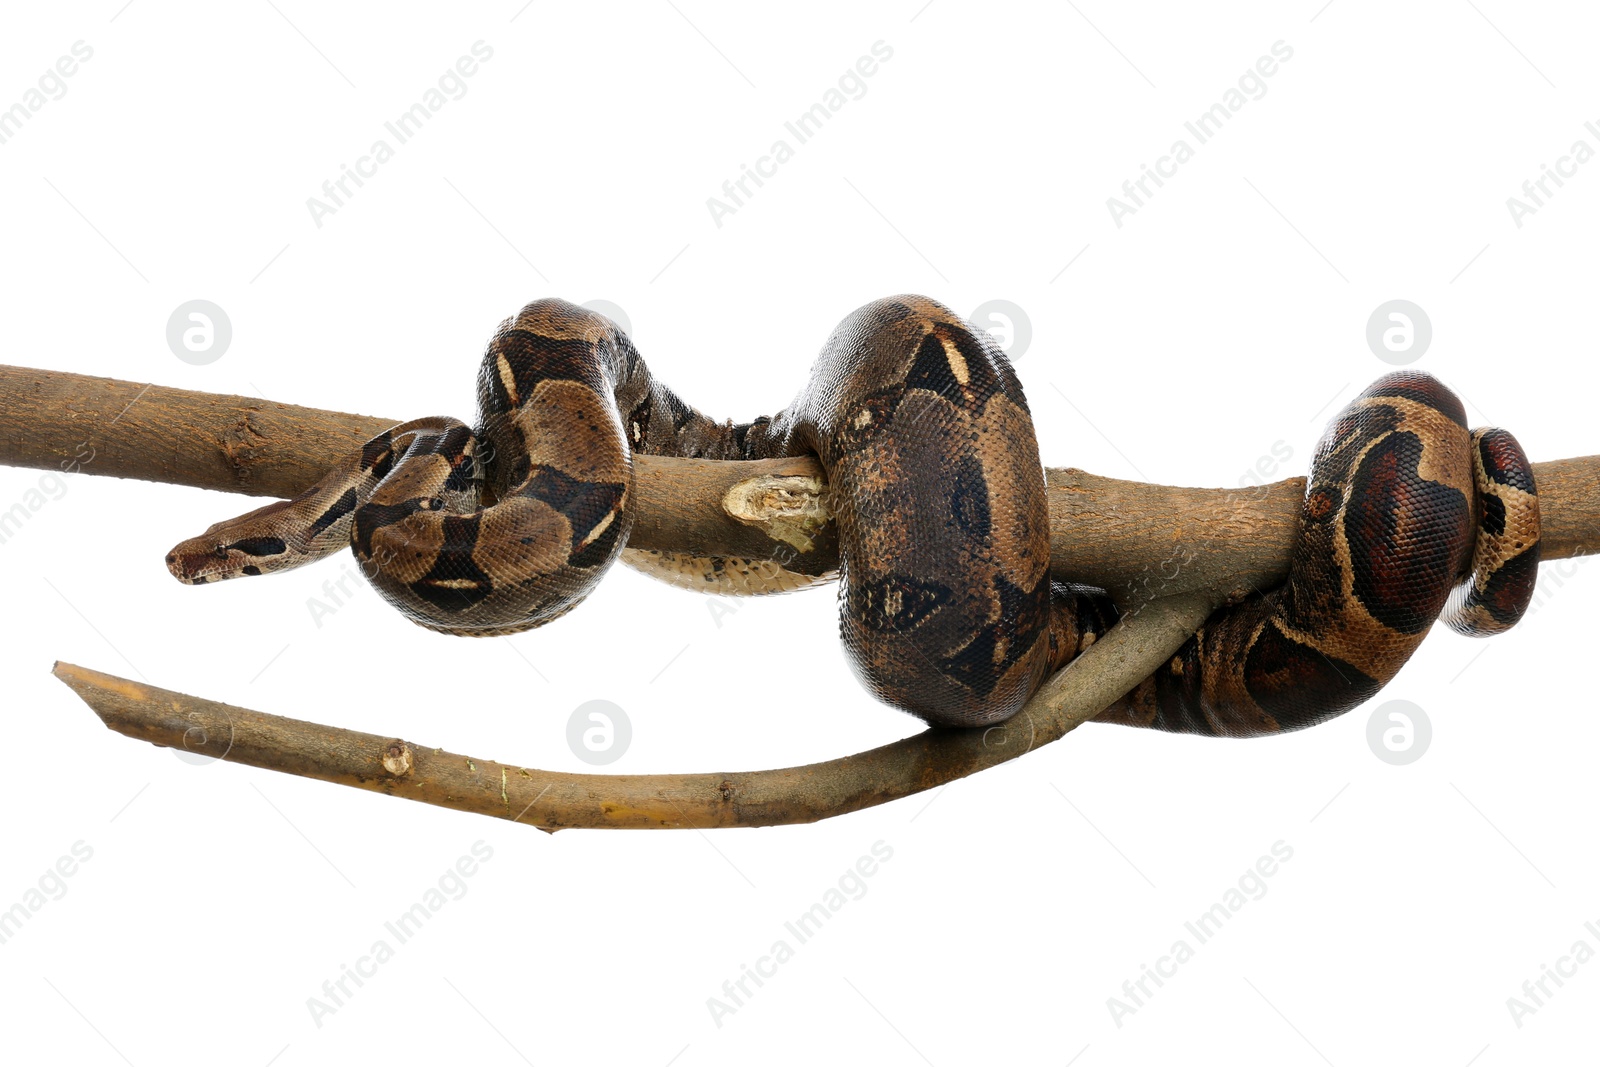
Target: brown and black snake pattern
947,609
1404,511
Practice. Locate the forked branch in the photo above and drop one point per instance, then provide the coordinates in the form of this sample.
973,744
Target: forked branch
1174,553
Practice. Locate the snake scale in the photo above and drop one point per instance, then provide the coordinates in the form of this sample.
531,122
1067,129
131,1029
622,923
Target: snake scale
947,607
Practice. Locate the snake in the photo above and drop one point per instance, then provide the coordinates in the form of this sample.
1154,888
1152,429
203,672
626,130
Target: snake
947,606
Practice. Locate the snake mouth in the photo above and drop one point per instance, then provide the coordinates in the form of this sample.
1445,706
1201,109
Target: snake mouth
203,570
194,577
203,560
188,567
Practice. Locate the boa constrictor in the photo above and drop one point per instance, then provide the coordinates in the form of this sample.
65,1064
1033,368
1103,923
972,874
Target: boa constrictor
947,608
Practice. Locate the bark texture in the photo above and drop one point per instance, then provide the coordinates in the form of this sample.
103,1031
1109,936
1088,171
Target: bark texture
552,800
1178,552
1136,540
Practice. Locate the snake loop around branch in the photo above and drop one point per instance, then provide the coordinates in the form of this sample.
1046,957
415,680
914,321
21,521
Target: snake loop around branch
947,608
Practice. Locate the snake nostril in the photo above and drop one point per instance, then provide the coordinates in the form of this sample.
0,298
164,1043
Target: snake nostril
171,560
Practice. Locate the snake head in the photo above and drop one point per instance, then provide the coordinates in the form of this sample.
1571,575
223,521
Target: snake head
235,548
214,558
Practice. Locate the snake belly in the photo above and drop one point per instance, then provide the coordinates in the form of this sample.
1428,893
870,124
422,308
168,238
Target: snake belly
947,609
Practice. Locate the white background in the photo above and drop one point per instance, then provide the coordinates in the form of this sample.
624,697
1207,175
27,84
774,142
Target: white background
1224,318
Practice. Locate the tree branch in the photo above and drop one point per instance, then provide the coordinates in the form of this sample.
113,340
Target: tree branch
1133,539
1176,553
553,801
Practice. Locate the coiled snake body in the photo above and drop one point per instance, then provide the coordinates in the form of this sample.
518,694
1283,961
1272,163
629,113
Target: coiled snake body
947,609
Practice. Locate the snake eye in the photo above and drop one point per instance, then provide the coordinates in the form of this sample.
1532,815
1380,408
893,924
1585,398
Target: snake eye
221,551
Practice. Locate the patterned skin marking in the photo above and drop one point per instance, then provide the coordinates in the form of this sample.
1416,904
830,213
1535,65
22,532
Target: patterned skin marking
258,546
946,610
375,517
1079,615
724,576
1494,515
380,447
896,603
1405,538
1021,631
947,607
976,659
508,380
858,429
958,362
969,497
455,583
955,365
1505,595
1505,559
1389,514
1296,684
1421,388
1502,461
337,510
589,507
1321,503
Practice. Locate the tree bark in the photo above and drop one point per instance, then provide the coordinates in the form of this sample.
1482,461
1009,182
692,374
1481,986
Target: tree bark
1179,552
553,800
1138,541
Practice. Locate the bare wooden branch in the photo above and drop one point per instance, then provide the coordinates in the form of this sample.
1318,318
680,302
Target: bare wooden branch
236,444
553,801
1178,552
1136,540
